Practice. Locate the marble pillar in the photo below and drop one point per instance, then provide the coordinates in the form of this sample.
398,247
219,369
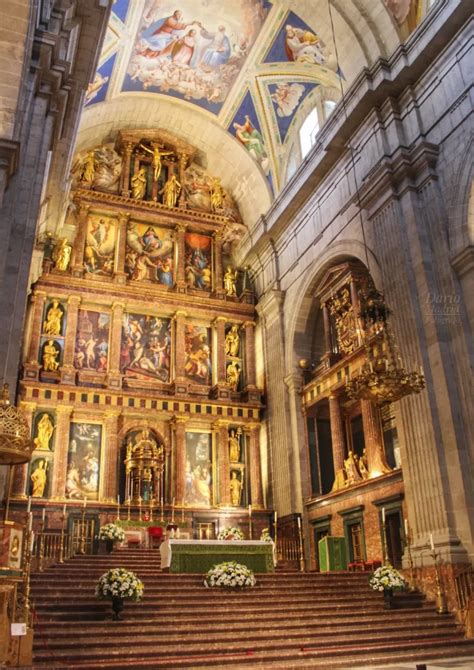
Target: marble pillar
179,424
120,276
337,441
221,430
68,373
180,281
125,177
111,457
220,367
63,417
254,465
32,365
114,377
77,261
180,358
218,286
250,376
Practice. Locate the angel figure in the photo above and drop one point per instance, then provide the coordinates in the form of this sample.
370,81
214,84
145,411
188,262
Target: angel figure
86,168
217,194
156,162
232,342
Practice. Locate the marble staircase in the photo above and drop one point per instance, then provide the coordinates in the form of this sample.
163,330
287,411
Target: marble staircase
289,620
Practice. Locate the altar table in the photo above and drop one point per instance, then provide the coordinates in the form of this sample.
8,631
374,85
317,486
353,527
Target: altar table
196,556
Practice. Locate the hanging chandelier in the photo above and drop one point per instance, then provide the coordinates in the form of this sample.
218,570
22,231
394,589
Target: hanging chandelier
382,378
15,444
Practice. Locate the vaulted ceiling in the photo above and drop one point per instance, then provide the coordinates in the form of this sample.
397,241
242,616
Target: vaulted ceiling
235,77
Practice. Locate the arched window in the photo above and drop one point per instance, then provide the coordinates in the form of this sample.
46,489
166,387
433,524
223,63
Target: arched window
308,132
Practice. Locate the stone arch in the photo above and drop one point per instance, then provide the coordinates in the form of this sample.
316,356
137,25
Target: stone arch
140,424
301,318
461,205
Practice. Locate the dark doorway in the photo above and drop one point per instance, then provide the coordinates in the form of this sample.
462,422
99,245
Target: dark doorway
393,531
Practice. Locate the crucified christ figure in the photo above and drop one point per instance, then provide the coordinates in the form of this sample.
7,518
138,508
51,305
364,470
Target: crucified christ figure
157,154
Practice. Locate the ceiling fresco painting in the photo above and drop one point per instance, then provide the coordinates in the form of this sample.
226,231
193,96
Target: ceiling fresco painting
193,49
120,9
286,98
97,89
246,129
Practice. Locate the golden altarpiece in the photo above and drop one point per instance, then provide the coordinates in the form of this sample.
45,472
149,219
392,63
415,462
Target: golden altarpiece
139,367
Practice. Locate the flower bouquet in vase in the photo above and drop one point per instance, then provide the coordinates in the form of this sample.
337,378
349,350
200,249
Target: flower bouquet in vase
111,533
230,533
119,584
387,580
230,575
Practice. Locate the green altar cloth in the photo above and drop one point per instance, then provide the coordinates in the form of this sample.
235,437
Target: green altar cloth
198,556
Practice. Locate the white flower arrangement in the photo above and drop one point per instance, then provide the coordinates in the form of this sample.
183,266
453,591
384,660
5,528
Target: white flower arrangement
386,578
119,583
111,532
230,533
265,536
231,575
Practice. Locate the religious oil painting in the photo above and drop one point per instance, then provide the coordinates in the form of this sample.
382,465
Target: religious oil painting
198,469
40,476
92,341
197,364
146,347
150,254
193,49
99,251
198,261
97,89
83,461
286,99
44,430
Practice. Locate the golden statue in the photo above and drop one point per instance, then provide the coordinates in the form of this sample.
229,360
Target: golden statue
171,191
234,447
350,467
62,255
139,184
235,489
156,162
230,281
88,168
38,479
217,194
52,325
50,355
232,342
45,431
233,375
364,473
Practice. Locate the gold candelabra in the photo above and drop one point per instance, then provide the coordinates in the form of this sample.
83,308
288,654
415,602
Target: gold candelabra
408,544
82,540
27,556
441,604
41,546
386,560
151,509
301,545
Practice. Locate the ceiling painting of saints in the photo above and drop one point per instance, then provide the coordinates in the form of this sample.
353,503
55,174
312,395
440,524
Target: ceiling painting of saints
245,127
193,51
150,254
286,99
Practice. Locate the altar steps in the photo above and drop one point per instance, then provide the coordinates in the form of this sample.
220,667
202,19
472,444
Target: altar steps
289,620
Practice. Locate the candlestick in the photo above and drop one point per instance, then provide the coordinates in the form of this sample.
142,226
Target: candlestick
162,511
250,510
43,516
406,529
182,511
28,508
85,503
383,515
30,522
431,542
64,509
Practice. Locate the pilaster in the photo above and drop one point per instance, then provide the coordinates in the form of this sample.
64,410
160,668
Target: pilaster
181,383
337,440
219,291
111,456
114,377
63,416
68,373
373,437
32,366
77,261
180,282
179,425
120,275
255,466
221,429
125,176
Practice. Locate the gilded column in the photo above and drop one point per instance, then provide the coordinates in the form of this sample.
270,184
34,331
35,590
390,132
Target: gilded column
20,472
183,160
77,263
120,275
179,349
125,178
114,378
32,366
180,281
337,440
255,467
218,284
250,355
223,463
111,457
355,300
373,438
63,416
179,423
219,326
68,372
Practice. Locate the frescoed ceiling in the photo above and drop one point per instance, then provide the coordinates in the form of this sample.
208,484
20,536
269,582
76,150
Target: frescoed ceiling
234,76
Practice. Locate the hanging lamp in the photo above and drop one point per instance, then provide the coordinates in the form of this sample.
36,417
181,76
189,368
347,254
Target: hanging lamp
16,445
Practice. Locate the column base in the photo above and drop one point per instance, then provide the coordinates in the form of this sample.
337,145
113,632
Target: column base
120,278
252,394
114,380
221,391
31,370
181,287
77,271
68,374
220,294
181,386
